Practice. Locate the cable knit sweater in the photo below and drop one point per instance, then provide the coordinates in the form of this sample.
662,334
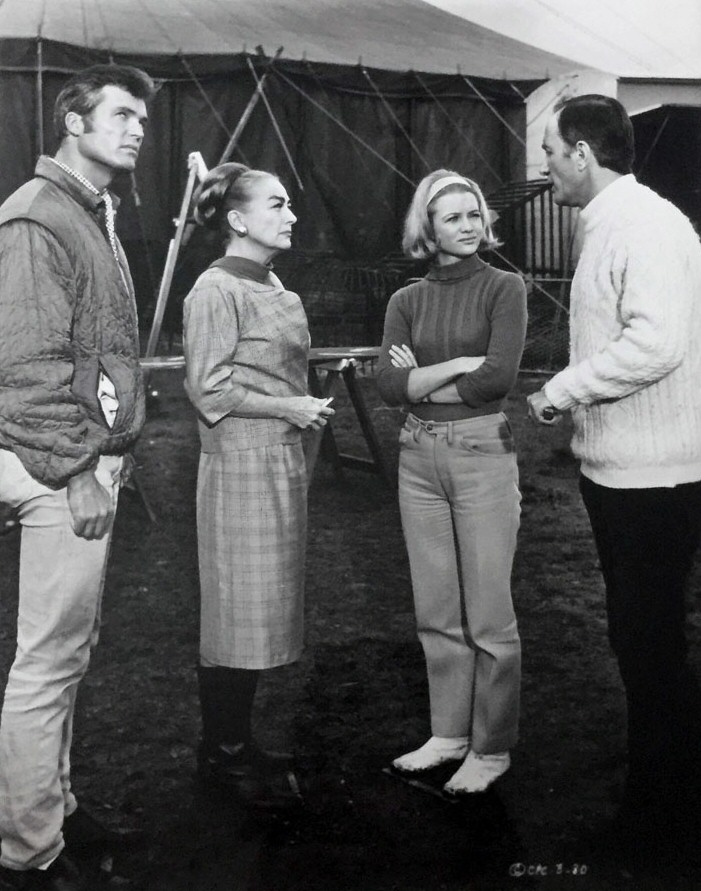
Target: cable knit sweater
634,379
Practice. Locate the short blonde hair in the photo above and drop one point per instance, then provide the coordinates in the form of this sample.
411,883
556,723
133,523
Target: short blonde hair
419,239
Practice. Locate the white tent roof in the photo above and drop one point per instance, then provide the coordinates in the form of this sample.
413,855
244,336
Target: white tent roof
628,38
392,34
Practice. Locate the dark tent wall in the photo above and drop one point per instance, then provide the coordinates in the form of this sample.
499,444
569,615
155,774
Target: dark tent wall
353,200
668,155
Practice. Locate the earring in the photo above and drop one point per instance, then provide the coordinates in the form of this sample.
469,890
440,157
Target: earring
242,232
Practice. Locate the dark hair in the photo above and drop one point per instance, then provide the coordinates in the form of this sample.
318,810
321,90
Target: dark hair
82,92
603,123
225,188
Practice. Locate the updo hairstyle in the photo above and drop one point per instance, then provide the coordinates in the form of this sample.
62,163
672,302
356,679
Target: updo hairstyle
419,239
225,188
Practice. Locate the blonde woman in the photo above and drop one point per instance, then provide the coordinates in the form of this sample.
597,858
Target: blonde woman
451,350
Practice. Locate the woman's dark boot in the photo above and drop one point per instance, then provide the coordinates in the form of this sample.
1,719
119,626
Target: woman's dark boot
227,757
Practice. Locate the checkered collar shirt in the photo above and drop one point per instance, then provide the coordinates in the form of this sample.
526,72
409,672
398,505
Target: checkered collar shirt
105,198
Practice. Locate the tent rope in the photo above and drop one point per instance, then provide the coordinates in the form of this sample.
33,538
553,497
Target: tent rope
489,105
247,112
155,21
395,118
653,145
579,26
534,284
84,22
276,126
186,65
404,177
358,154
457,129
343,127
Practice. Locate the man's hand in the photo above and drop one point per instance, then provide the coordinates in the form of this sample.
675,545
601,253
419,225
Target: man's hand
540,409
90,505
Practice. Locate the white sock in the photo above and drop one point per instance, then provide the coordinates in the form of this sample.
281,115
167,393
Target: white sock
437,750
477,773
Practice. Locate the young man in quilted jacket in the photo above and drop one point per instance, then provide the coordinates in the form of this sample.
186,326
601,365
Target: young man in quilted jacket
71,405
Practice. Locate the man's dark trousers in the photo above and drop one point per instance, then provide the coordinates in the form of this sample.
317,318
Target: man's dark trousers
646,540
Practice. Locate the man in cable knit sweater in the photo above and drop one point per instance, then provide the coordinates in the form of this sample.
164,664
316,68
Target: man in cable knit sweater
633,386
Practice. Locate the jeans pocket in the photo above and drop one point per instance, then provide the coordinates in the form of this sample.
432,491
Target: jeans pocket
492,443
407,437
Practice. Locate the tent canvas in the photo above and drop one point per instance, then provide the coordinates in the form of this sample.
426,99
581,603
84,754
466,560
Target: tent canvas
658,39
367,96
396,35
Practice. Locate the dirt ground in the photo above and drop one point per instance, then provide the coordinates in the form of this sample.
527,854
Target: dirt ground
358,696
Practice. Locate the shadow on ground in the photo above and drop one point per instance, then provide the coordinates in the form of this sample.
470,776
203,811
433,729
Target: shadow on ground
358,696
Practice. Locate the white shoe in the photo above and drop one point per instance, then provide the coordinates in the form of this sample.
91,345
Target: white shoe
477,773
438,750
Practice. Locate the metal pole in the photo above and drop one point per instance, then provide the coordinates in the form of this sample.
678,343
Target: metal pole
248,111
169,269
276,127
238,130
40,97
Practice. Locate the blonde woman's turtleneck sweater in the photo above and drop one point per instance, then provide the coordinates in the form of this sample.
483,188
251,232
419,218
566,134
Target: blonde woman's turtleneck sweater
634,379
467,308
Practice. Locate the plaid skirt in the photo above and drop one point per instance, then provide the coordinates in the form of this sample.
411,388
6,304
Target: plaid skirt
251,526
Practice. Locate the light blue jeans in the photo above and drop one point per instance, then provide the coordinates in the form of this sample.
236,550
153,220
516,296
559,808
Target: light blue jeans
460,509
60,592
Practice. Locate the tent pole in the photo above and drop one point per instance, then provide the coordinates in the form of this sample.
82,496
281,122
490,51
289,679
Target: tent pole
276,127
40,97
653,145
248,111
183,229
173,249
234,137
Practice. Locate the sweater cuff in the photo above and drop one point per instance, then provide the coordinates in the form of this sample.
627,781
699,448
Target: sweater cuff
557,395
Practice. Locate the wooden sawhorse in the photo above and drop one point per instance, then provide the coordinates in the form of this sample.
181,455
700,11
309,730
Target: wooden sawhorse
328,367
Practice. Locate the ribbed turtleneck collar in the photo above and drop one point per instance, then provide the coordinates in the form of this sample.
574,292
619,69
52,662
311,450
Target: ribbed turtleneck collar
242,267
615,194
454,272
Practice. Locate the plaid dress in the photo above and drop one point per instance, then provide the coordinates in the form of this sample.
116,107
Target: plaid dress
243,331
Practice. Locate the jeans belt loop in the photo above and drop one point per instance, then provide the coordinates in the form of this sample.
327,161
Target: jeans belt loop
449,434
415,432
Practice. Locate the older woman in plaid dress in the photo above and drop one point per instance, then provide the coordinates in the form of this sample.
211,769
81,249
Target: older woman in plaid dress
246,346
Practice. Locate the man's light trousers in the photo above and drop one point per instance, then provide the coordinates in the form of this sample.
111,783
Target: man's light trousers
60,590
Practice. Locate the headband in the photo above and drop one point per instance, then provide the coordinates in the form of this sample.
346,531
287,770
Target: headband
442,183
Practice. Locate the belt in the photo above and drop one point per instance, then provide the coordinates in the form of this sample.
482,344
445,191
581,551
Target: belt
449,429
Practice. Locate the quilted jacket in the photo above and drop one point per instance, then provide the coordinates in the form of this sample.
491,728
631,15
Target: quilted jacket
66,312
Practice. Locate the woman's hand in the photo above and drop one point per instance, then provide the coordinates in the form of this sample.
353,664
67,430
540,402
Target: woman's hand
402,357
425,381
307,412
466,364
